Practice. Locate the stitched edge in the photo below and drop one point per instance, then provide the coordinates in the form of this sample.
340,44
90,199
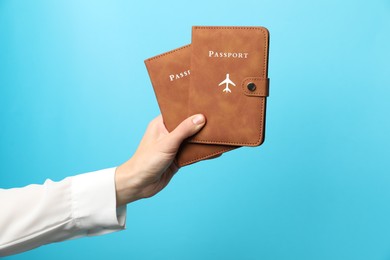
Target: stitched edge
167,53
242,143
205,157
230,27
263,30
239,143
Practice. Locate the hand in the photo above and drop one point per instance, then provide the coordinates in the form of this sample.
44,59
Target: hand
152,167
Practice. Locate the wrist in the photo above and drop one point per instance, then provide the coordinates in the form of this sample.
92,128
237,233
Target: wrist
127,189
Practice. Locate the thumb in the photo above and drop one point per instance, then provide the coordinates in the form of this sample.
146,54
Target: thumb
187,128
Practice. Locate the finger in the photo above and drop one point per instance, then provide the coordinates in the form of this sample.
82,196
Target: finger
187,128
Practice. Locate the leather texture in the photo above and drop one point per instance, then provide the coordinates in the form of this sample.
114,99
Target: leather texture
170,77
224,60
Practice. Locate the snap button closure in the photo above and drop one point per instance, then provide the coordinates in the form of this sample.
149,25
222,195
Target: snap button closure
251,86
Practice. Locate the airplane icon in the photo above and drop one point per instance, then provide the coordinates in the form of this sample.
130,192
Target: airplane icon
227,81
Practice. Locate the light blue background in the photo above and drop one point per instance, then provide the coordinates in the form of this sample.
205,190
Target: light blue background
75,97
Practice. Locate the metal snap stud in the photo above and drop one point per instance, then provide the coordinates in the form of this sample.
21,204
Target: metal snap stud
251,86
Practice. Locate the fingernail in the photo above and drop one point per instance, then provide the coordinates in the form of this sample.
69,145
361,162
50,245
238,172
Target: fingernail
198,119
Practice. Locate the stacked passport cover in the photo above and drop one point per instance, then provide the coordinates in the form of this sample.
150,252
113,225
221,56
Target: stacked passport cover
223,74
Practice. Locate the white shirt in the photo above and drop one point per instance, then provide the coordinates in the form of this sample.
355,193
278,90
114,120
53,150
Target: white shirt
82,205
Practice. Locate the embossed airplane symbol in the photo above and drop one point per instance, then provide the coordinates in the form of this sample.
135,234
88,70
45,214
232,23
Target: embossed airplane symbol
227,81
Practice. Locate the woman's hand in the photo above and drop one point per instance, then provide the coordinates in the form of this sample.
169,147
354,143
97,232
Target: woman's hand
152,167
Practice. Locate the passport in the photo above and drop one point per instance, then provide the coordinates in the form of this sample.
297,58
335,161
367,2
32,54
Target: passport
229,84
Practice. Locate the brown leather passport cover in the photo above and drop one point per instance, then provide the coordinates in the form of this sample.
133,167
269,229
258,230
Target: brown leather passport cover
170,77
229,83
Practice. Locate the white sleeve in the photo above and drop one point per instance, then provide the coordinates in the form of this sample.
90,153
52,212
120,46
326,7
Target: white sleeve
82,205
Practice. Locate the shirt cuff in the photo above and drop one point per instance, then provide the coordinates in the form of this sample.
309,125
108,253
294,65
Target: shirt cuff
94,202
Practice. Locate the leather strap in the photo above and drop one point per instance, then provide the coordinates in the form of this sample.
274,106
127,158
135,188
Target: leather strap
261,88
